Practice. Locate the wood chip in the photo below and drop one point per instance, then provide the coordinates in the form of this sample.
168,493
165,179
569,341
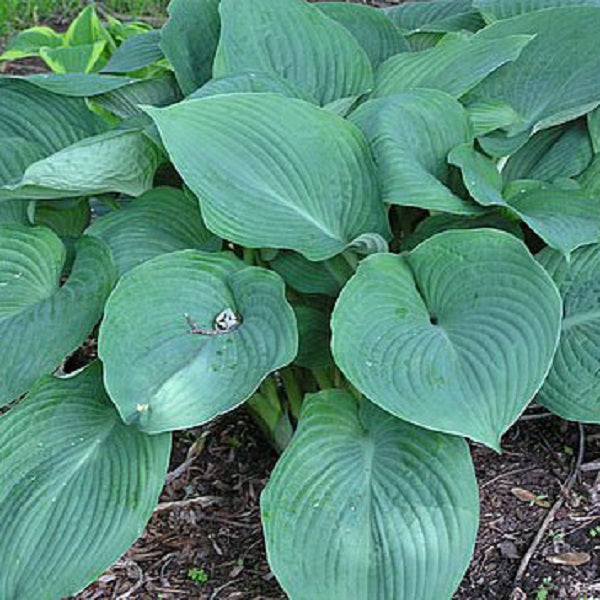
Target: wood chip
570,559
527,496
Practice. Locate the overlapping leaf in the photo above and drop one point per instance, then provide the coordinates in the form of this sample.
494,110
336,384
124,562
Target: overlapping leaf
78,486
42,322
411,134
436,16
160,374
457,336
136,53
362,505
315,196
493,10
161,220
273,35
557,76
454,65
572,389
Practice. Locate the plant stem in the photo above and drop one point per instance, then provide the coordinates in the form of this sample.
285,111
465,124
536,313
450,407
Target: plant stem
351,258
292,390
323,378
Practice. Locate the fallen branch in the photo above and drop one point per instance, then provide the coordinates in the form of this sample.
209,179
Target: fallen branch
203,501
565,491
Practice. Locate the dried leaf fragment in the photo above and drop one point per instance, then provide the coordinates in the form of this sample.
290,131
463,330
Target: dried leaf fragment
569,559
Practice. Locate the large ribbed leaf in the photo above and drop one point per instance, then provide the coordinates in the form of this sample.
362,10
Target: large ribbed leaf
270,180
593,121
162,375
189,40
42,322
489,116
455,65
572,389
411,134
78,487
116,161
564,218
125,101
35,123
435,15
493,10
457,335
365,506
557,76
161,220
136,53
376,34
562,151
14,211
78,84
274,35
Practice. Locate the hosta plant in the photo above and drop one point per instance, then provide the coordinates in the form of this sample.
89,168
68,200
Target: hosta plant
379,230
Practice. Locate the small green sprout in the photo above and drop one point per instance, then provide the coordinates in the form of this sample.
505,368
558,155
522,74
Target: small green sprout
197,575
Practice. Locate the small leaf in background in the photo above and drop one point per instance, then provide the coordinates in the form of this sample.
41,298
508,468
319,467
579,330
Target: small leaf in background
569,559
359,492
78,486
160,370
28,43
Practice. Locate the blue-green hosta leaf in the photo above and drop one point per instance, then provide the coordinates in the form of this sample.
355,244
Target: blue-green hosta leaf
273,35
488,116
41,322
78,84
455,65
437,223
116,161
159,221
313,337
375,32
480,175
189,40
572,389
68,219
136,53
550,83
78,486
363,505
28,43
498,144
309,277
125,101
35,123
494,10
74,59
563,151
564,218
410,135
457,336
315,196
590,178
593,121
14,211
435,16
250,81
159,373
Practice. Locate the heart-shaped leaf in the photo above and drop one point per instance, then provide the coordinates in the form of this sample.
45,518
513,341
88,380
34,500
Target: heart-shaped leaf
572,389
315,196
189,335
363,505
411,134
42,322
273,35
457,335
78,486
160,221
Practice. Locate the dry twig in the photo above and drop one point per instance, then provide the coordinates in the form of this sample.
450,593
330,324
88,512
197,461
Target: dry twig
566,489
